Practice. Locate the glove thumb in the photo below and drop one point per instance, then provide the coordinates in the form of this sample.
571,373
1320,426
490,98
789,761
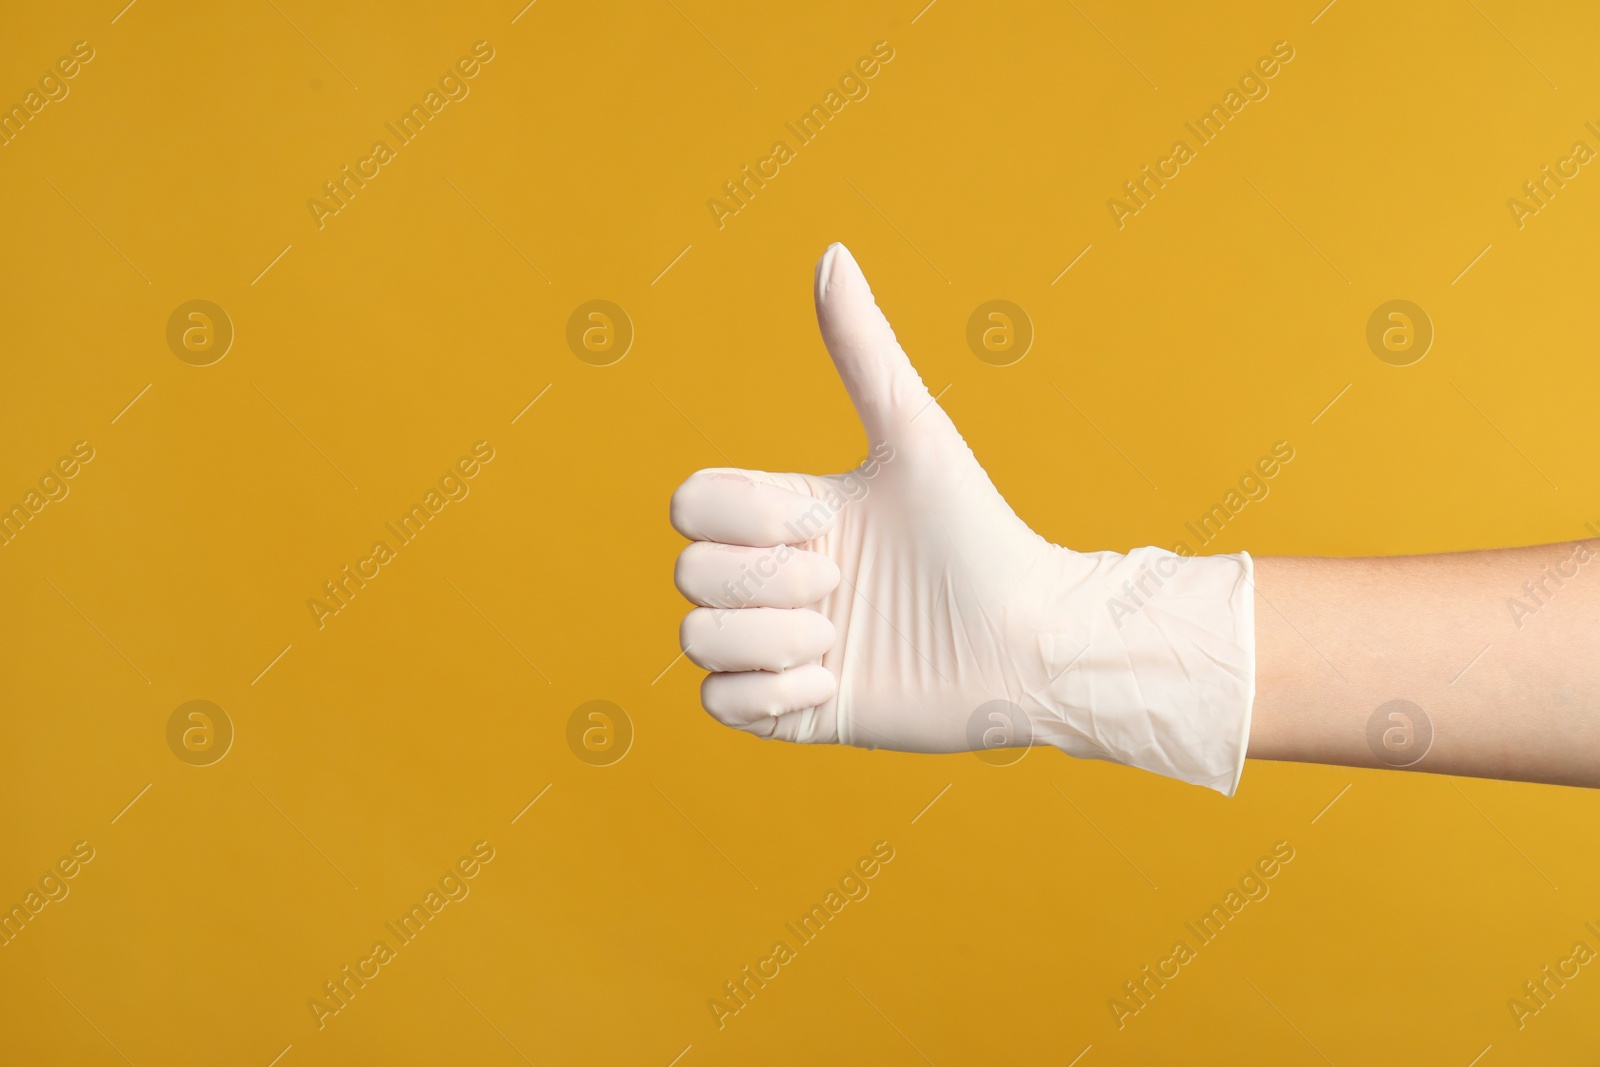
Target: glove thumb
886,390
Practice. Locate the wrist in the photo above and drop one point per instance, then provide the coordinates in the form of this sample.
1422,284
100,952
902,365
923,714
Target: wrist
1153,663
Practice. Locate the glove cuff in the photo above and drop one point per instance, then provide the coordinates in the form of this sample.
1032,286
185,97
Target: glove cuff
1162,675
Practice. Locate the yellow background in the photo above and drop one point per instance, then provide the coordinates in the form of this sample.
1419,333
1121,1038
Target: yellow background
424,718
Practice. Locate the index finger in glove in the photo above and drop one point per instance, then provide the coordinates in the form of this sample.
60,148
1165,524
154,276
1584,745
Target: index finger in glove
737,507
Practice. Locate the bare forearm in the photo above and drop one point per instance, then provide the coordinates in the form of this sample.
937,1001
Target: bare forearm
1507,692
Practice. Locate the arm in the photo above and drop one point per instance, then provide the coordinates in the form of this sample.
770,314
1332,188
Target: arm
903,604
1498,649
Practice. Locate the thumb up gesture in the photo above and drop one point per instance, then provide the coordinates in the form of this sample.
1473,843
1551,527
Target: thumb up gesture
902,604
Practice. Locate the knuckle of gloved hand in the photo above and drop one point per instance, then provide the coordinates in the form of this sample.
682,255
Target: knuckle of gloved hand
718,697
701,501
678,511
683,507
699,624
711,699
688,571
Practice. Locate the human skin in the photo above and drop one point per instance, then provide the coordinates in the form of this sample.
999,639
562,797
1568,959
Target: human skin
906,608
1338,638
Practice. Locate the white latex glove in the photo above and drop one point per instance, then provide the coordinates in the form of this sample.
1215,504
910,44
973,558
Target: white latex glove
903,605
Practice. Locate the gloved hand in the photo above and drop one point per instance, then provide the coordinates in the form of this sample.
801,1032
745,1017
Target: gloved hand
904,605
